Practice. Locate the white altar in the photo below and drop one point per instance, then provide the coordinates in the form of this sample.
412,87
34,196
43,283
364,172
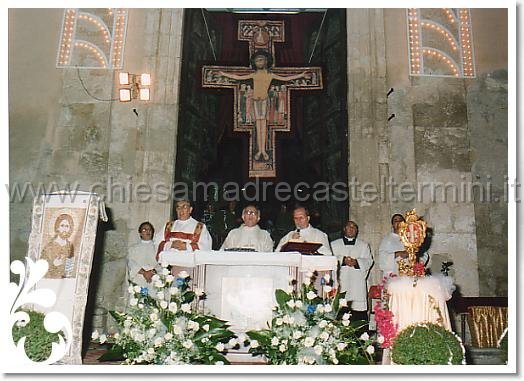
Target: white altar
240,286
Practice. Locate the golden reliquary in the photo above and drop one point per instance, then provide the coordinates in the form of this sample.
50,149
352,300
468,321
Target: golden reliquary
412,234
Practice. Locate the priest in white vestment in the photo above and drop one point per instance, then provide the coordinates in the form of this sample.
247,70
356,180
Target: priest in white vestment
141,259
391,250
184,234
304,232
249,235
354,257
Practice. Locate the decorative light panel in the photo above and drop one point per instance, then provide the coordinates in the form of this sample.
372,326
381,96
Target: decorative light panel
92,38
440,42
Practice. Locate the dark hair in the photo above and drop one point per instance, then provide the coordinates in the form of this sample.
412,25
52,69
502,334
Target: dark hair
397,214
298,206
264,53
144,224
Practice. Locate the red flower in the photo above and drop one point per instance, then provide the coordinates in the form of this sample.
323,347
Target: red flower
419,269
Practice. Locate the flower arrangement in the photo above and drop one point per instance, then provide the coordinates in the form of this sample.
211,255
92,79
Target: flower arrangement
307,328
386,329
427,344
166,327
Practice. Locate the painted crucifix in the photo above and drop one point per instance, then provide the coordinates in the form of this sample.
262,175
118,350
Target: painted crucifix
262,91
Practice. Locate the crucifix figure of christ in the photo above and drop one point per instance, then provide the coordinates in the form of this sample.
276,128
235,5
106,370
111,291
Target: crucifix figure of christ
262,92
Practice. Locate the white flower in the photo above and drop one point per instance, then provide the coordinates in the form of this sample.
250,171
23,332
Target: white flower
364,336
159,284
151,332
380,339
199,292
155,278
306,280
177,330
320,309
328,308
291,303
193,325
153,316
168,336
170,278
165,272
183,274
187,344
279,321
318,349
160,295
140,305
370,349
327,289
95,335
116,335
219,363
311,295
131,289
174,291
136,288
343,302
286,319
158,341
323,324
205,327
282,348
298,304
274,341
297,335
346,316
334,360
205,340
163,304
173,307
185,308
103,339
127,323
327,277
345,323
232,342
341,346
309,341
220,347
254,344
133,301
150,351
324,336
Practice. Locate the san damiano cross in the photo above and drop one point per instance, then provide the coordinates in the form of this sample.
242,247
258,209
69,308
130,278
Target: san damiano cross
262,92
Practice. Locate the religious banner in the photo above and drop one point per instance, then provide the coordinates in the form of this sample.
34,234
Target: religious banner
63,234
262,92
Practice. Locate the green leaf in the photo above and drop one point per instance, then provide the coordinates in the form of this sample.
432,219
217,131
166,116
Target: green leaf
116,353
282,298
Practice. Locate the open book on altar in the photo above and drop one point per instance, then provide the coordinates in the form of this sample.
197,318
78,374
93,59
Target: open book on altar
305,248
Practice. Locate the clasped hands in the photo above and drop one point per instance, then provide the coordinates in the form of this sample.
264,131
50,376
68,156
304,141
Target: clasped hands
175,244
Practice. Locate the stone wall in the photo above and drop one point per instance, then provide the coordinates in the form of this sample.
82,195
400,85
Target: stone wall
100,144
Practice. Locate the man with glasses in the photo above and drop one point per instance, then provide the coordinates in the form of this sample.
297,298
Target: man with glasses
185,233
249,236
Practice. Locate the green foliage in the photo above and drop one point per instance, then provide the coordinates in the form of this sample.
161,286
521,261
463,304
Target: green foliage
427,344
308,328
38,342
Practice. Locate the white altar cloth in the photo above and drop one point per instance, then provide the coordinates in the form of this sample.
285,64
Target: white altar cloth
421,303
240,286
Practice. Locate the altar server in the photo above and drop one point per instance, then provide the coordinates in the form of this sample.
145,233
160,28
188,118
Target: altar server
141,261
249,235
354,257
304,232
185,233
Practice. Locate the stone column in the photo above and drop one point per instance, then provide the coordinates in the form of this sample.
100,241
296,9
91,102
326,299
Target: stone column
367,109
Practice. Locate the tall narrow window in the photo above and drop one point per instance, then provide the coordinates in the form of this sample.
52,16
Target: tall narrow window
92,38
440,42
